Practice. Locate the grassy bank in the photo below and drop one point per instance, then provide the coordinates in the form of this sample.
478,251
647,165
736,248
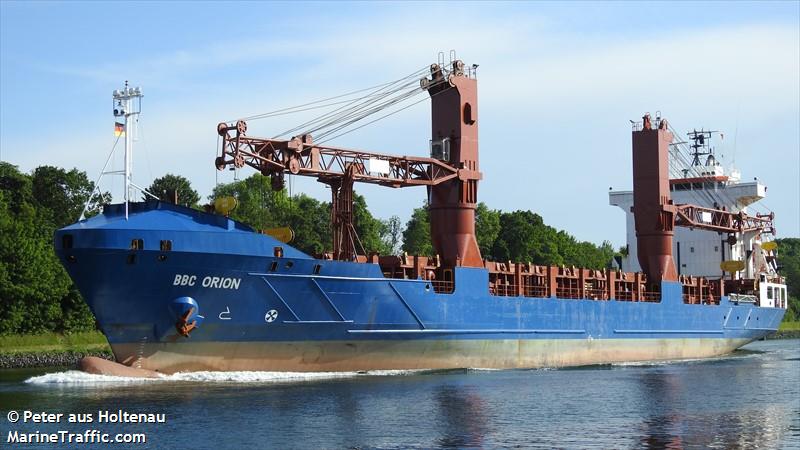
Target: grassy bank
88,342
790,326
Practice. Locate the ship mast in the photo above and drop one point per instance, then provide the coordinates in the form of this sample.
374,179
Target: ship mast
126,107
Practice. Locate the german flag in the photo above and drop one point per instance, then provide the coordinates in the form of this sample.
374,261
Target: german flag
119,129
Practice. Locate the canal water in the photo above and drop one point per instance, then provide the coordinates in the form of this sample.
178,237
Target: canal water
748,399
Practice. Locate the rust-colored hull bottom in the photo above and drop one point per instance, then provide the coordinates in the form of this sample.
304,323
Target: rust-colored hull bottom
338,356
100,366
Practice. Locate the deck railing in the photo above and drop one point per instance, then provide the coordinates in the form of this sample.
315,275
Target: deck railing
443,287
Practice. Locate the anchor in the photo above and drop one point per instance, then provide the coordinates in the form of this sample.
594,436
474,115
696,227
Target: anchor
183,325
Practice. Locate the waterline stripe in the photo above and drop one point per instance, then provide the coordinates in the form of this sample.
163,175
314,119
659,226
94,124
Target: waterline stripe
669,331
317,321
457,331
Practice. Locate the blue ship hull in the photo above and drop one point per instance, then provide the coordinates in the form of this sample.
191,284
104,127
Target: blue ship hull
296,313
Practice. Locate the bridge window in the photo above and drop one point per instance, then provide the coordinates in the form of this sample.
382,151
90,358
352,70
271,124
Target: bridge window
769,292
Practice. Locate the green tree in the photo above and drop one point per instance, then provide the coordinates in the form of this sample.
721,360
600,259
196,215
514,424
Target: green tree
391,235
36,294
417,235
261,208
62,194
32,281
256,203
514,236
164,186
487,228
789,263
516,239
369,229
311,221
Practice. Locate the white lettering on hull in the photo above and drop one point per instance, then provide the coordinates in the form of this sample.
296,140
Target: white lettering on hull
209,282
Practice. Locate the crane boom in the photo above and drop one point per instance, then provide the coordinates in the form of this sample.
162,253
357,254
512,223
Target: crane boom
450,174
299,156
710,219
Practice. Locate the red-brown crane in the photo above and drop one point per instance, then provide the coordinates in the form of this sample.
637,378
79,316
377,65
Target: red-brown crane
451,172
656,216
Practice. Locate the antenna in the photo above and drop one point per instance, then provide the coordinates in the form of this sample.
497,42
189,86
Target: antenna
127,105
701,146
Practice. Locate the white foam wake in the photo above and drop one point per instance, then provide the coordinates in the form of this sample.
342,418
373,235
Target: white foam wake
78,377
668,362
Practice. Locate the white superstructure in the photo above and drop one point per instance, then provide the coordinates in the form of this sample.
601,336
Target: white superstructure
698,178
696,252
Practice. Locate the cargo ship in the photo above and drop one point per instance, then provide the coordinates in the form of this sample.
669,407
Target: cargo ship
177,289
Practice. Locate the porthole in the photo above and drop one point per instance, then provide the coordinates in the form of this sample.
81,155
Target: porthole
289,264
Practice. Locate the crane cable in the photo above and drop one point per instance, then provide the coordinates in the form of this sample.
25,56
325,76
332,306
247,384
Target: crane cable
711,196
353,110
378,108
376,90
346,111
718,197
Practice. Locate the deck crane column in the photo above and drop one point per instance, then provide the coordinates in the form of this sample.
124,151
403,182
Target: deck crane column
454,140
653,211
655,215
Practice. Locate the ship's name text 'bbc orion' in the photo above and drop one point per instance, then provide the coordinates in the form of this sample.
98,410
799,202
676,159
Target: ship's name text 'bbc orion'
207,282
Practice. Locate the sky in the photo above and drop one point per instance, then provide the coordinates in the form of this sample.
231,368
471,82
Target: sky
558,83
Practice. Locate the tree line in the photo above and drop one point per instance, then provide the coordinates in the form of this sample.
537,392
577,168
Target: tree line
36,295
